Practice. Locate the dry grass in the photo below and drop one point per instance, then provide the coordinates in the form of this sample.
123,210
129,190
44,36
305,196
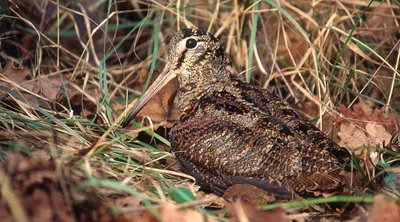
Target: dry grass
81,65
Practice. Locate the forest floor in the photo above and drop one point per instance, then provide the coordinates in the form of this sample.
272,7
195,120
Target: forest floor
70,70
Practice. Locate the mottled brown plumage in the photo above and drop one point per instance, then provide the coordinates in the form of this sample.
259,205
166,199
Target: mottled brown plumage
232,132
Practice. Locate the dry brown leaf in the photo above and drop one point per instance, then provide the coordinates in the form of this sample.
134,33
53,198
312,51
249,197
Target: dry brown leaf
389,120
360,114
38,91
170,213
377,134
33,181
380,27
36,185
218,202
384,210
12,73
158,108
128,203
353,136
243,211
48,87
248,193
146,217
160,111
367,107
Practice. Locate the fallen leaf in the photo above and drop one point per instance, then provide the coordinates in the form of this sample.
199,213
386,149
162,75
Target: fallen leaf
127,204
243,211
160,105
47,87
384,210
219,202
34,183
380,27
171,213
15,74
148,216
10,75
377,134
352,137
389,120
40,91
27,44
360,114
366,107
355,138
248,193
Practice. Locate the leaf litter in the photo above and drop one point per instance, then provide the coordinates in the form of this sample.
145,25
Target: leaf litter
43,90
160,111
35,176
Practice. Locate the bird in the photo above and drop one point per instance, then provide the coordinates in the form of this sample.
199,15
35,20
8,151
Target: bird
232,132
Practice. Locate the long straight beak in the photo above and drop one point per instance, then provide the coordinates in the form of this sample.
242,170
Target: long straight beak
165,76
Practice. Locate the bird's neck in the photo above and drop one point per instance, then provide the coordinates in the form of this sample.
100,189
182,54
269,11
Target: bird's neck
192,89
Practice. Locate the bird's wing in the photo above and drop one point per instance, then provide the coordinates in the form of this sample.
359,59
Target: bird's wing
276,109
220,153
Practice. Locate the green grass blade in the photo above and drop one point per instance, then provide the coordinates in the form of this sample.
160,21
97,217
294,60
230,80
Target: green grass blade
306,203
252,44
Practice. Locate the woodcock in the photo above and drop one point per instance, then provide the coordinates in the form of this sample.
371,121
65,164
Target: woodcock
231,132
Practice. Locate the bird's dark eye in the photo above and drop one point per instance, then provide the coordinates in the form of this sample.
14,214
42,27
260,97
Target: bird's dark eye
191,43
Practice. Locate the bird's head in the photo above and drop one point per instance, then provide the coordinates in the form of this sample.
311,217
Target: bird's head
194,56
195,49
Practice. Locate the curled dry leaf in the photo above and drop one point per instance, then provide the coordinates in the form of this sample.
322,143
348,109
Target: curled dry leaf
160,111
354,138
49,87
365,127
